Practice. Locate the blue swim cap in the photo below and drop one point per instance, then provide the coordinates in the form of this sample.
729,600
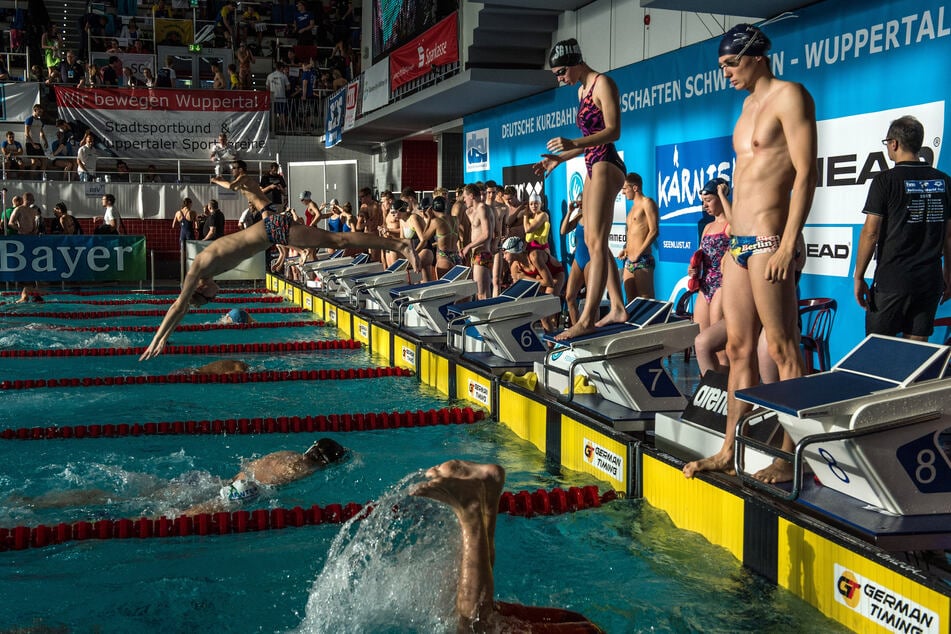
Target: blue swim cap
239,316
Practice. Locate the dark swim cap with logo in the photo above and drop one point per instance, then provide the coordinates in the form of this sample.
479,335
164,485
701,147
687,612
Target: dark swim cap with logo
565,53
744,39
439,204
713,184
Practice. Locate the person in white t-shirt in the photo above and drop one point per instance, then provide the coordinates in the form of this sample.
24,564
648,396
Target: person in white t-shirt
222,154
86,158
280,86
111,221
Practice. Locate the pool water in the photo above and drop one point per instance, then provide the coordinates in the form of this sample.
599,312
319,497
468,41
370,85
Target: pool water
623,565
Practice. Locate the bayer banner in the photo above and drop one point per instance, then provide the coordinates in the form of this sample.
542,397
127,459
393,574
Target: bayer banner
864,64
72,258
167,123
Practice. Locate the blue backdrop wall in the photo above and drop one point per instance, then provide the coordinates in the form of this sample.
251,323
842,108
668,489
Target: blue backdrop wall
864,66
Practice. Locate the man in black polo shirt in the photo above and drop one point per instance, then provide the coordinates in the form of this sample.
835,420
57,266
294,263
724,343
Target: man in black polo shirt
274,185
906,220
215,223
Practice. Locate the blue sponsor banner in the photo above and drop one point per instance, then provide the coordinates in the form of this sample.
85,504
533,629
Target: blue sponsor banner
72,258
333,127
864,65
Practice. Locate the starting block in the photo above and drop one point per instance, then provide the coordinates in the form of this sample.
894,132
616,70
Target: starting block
374,286
320,272
502,326
623,361
422,308
342,283
871,427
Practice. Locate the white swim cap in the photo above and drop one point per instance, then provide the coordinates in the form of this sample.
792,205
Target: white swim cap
239,491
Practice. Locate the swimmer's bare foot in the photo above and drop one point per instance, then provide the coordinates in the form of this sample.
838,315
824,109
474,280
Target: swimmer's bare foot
721,461
468,487
617,316
406,248
779,471
578,329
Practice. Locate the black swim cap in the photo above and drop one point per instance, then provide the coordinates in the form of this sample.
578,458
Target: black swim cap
327,451
712,185
439,204
744,39
565,53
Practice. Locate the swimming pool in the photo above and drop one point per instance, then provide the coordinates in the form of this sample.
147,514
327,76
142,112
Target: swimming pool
624,565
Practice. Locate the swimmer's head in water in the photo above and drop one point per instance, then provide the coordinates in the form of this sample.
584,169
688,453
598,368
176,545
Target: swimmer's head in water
239,316
326,452
744,39
239,491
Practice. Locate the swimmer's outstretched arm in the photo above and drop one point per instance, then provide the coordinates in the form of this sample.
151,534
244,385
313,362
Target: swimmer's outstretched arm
175,314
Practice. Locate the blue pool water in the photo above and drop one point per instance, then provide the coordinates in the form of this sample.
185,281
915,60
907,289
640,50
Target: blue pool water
624,565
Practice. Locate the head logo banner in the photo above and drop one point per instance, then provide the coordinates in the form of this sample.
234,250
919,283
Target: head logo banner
72,258
167,123
477,150
376,86
333,127
17,101
436,47
353,97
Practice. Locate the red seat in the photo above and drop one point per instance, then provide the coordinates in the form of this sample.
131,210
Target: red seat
817,315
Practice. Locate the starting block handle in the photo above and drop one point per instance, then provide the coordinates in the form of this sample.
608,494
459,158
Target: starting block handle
797,458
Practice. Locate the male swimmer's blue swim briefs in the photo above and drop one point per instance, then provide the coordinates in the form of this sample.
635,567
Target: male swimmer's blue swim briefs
742,247
278,228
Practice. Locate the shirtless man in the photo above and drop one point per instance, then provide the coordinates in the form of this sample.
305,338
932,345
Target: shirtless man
473,490
460,213
370,218
228,251
23,219
642,222
480,249
274,469
493,200
774,182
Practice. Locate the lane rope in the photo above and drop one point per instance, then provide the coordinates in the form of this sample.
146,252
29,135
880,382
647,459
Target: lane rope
526,504
267,376
225,348
195,327
104,314
260,425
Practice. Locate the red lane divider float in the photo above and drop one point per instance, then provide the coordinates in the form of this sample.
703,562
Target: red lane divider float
245,377
243,348
194,327
104,314
224,291
523,504
272,299
280,425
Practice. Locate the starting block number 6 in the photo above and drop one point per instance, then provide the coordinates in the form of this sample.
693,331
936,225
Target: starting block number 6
926,464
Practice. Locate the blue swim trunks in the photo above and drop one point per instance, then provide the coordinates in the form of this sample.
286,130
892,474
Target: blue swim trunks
742,247
277,227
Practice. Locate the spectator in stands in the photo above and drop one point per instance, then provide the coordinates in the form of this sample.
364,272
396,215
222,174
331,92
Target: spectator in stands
152,175
129,80
114,48
130,32
112,71
139,47
342,58
308,93
68,224
215,222
122,175
339,81
166,75
36,143
86,157
226,17
219,82
93,78
274,185
71,69
148,78
222,154
245,58
52,44
4,73
36,74
279,86
251,20
62,155
161,10
233,82
304,25
342,17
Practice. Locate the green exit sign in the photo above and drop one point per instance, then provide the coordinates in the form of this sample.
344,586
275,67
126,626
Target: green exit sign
194,48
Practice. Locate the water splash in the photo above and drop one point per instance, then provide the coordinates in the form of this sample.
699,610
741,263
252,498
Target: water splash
394,571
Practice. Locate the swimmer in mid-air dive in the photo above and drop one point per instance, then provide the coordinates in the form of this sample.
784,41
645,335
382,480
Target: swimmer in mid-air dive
473,490
228,251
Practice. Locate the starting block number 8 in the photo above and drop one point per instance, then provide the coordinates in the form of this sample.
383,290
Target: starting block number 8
926,464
